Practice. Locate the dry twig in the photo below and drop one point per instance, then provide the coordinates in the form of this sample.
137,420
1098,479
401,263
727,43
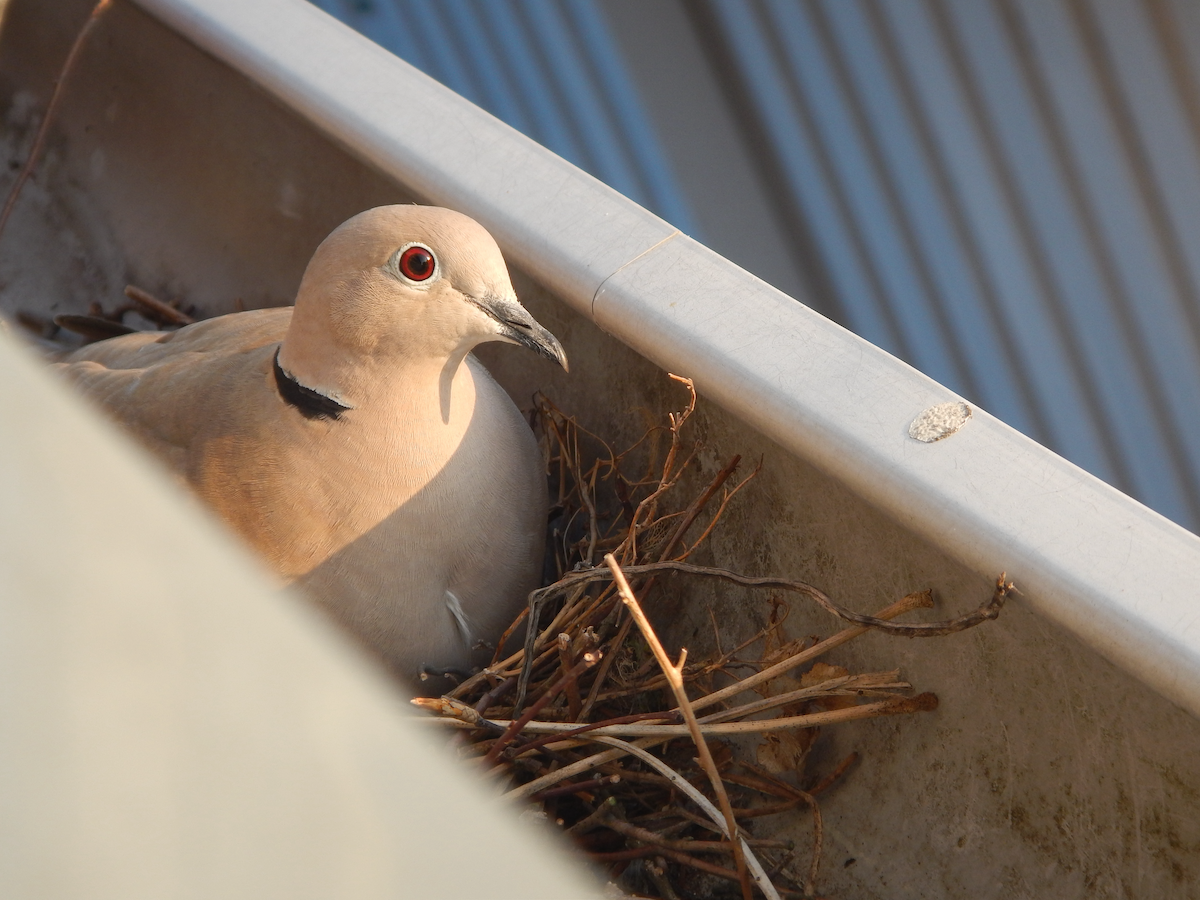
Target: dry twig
39,142
152,307
674,673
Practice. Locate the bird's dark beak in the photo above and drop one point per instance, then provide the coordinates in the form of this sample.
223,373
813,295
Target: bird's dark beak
518,326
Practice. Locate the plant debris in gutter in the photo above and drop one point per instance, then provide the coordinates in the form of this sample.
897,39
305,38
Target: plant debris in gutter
638,758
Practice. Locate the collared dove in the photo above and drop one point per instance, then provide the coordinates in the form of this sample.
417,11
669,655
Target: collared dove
352,440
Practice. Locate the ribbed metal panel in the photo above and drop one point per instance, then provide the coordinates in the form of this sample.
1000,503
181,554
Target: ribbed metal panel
1006,194
550,69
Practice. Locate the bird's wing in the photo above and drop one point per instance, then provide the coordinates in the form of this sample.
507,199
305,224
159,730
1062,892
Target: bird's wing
233,333
167,388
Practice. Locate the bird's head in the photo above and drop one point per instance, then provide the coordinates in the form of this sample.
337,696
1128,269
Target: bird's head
406,283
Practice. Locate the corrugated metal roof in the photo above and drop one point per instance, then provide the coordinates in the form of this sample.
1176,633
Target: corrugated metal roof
1005,193
550,69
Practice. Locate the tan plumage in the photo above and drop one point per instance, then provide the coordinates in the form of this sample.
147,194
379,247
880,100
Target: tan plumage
415,509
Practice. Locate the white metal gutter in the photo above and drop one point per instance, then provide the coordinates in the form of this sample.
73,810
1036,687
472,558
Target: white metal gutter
1086,556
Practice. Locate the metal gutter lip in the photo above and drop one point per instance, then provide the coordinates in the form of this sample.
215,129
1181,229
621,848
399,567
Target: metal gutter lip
1115,573
1105,567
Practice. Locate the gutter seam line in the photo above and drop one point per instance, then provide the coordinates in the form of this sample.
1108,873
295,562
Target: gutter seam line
626,265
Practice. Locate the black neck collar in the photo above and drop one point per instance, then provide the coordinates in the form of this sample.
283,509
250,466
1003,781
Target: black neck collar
307,402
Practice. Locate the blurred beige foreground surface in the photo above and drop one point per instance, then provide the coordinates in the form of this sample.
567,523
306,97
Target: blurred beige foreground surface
171,726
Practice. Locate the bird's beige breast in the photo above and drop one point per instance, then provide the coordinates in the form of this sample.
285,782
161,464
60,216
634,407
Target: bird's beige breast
392,475
474,529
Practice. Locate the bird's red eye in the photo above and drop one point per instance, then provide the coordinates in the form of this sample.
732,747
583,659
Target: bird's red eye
416,263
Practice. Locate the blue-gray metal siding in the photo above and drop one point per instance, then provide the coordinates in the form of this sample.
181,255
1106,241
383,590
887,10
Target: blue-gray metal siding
1005,193
547,68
